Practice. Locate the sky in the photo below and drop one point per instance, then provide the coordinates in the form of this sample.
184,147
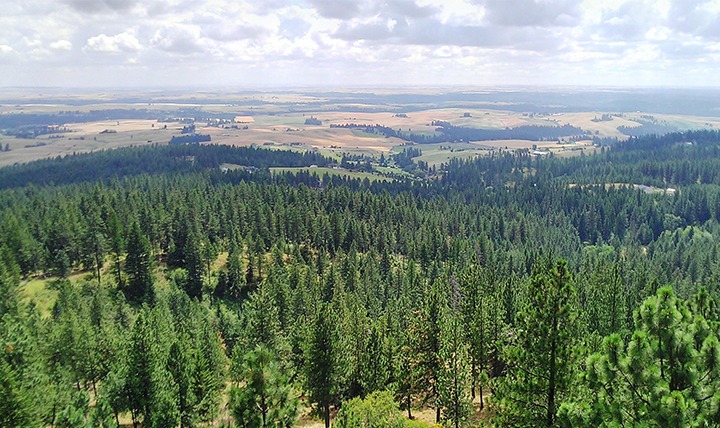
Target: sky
350,43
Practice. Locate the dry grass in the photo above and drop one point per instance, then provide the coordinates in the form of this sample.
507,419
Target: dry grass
86,137
270,127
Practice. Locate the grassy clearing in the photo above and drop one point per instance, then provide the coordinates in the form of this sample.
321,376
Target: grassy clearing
435,154
363,134
36,290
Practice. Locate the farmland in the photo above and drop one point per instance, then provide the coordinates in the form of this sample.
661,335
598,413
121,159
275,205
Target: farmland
278,121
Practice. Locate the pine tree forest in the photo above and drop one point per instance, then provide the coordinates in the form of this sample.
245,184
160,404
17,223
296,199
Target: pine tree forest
508,290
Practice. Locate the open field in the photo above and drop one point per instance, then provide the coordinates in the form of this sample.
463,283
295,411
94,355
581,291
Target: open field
277,120
286,131
86,137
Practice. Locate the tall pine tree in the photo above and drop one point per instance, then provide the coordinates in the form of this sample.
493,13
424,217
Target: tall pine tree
539,356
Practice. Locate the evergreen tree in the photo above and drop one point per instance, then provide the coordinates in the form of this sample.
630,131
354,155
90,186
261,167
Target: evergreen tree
180,368
236,274
405,373
114,232
195,266
539,357
163,403
427,363
481,323
266,399
94,244
15,406
320,363
140,365
138,266
668,374
454,379
263,325
377,410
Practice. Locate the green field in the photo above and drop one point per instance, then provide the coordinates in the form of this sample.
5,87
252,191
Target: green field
435,154
363,134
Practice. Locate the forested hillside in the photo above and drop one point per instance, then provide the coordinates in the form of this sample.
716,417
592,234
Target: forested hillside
508,290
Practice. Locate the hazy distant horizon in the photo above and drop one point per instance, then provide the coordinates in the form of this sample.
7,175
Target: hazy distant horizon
518,98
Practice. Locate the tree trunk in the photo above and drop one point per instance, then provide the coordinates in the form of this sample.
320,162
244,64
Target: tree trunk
408,406
482,405
327,415
98,263
474,380
551,381
118,271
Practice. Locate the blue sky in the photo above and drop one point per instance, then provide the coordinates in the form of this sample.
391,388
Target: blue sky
281,43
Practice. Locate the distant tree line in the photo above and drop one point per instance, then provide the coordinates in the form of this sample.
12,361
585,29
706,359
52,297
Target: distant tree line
152,160
447,133
189,138
647,127
17,120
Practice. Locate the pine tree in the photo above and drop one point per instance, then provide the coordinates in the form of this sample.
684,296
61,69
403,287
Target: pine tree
163,409
180,368
236,275
15,407
140,365
263,325
9,282
266,399
405,372
94,244
320,363
454,378
480,322
427,344
377,410
667,375
195,266
114,232
539,357
138,266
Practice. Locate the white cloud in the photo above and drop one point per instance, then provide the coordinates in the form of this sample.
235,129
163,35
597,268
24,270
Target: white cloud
123,42
658,33
295,41
61,45
179,39
461,12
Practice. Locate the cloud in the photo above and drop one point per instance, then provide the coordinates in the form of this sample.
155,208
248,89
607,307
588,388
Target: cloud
61,45
629,22
349,9
292,28
238,32
95,6
537,13
462,12
374,30
227,28
431,32
337,9
123,42
178,39
409,9
362,40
